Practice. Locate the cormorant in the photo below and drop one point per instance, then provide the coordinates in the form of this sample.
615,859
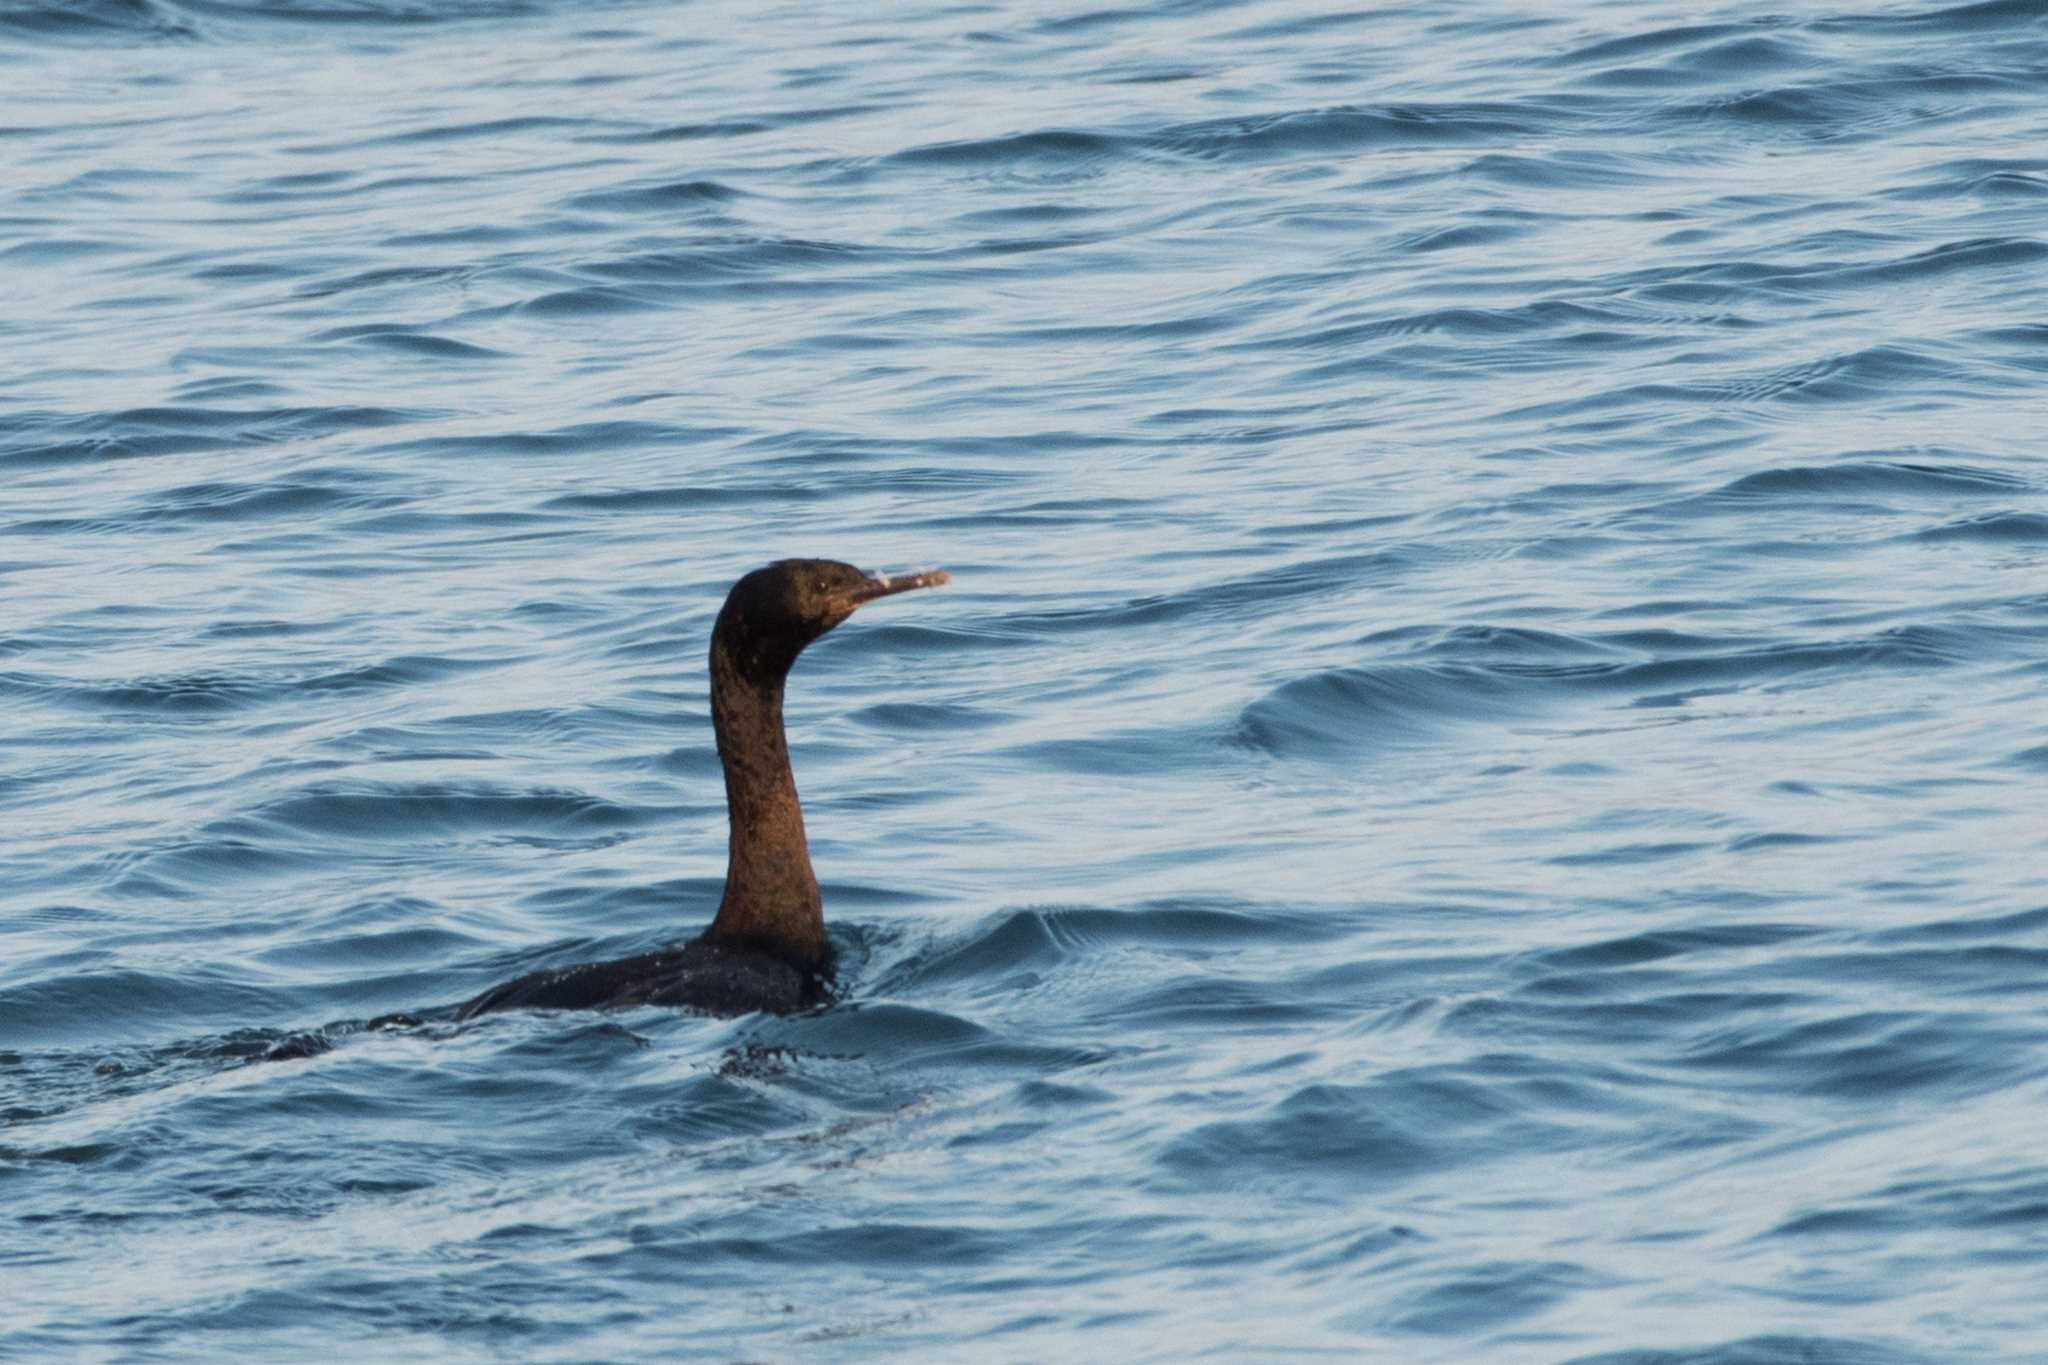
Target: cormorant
766,948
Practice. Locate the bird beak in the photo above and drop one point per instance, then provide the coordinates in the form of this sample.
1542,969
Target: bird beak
887,585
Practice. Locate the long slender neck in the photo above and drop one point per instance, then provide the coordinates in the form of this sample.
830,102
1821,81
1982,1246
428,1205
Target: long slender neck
771,900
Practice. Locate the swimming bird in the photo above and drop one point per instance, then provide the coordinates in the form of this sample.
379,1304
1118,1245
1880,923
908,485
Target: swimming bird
766,948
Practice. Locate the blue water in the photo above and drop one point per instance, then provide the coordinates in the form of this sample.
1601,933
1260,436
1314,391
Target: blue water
1476,795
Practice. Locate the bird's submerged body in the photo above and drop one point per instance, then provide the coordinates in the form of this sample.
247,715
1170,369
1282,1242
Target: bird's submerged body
699,975
766,948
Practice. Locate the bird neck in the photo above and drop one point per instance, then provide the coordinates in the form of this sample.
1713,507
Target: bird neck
771,902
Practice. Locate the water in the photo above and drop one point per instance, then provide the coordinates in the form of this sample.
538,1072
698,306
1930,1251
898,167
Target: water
1475,796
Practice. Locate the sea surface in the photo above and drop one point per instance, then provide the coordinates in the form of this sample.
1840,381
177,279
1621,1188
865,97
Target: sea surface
1478,793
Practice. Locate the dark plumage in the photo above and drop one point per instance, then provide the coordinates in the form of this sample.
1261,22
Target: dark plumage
766,948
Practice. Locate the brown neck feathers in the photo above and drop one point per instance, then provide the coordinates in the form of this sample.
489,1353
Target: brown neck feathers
771,901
